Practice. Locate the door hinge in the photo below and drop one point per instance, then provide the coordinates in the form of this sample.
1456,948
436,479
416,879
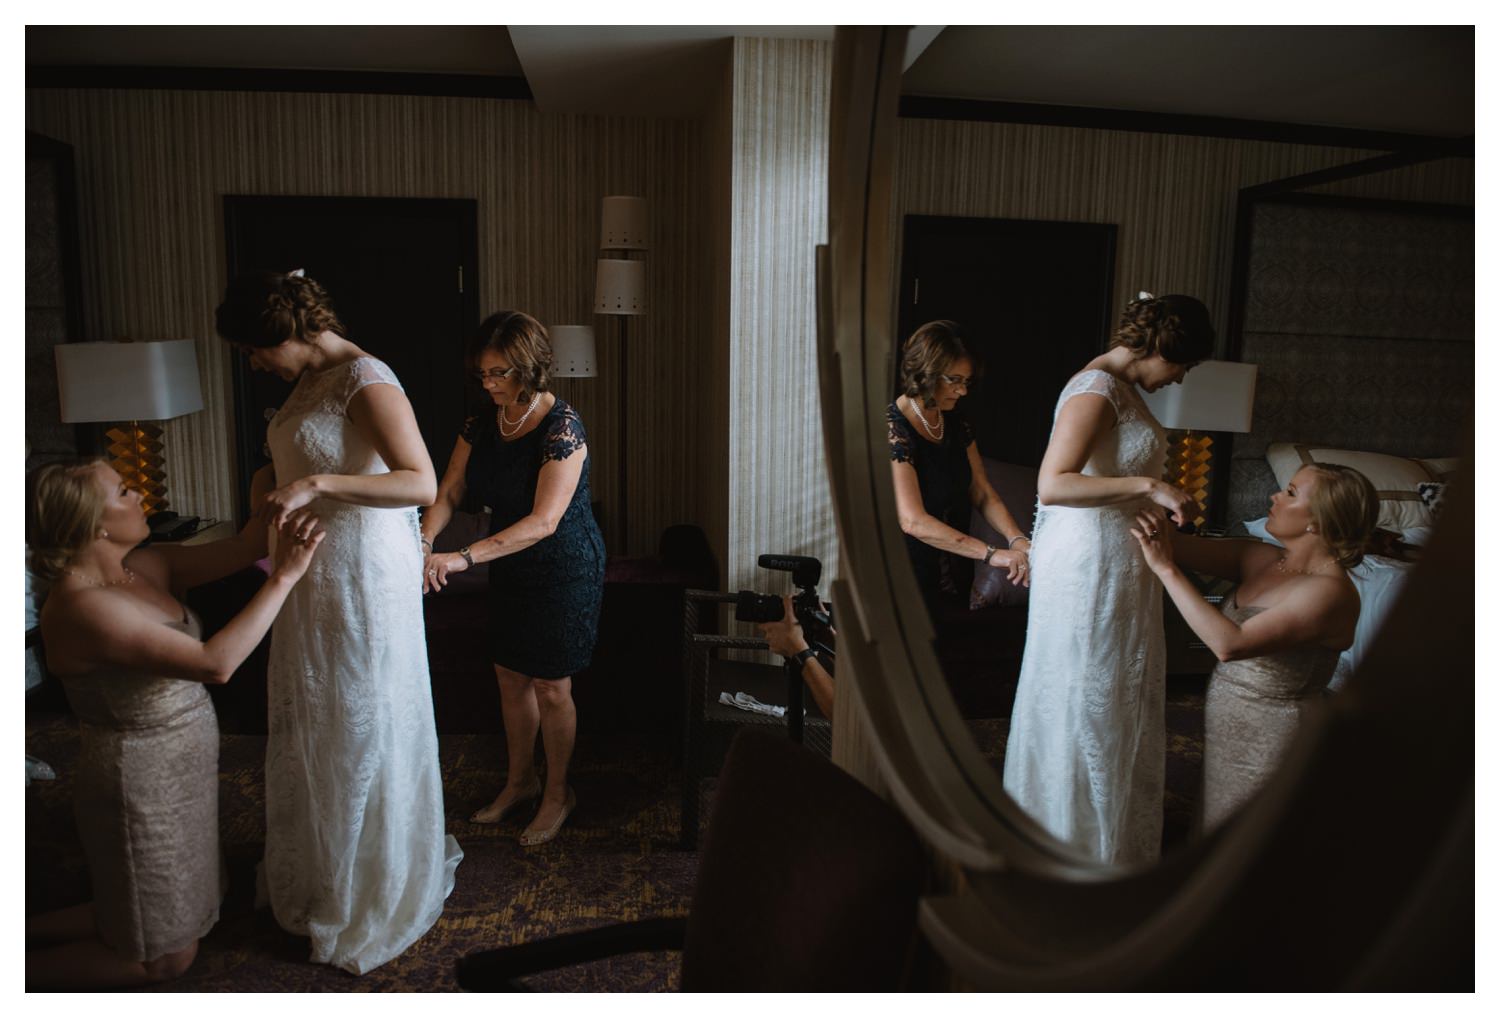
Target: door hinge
460,279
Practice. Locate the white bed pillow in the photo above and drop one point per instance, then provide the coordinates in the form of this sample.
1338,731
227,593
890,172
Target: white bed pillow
1395,478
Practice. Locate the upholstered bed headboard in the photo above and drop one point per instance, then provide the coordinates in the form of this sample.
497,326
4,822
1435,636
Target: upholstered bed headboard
1360,315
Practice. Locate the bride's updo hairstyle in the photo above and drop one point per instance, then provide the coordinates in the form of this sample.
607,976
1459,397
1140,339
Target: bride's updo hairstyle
263,309
1176,327
64,502
518,338
1346,509
928,354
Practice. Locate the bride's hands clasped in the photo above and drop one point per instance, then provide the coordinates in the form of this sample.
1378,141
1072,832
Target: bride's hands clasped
1153,533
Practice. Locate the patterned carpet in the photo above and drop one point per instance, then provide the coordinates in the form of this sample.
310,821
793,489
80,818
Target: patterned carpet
616,860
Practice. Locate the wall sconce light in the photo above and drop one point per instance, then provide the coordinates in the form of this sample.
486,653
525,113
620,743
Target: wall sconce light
573,351
135,383
1214,396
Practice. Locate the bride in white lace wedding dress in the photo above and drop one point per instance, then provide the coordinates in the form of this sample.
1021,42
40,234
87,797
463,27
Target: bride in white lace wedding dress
357,857
1086,754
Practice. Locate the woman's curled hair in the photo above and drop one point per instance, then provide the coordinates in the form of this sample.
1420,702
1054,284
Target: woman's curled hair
518,338
64,502
1175,326
264,309
928,354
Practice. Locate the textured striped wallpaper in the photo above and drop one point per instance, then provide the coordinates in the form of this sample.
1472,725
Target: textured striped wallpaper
1173,196
153,166
779,498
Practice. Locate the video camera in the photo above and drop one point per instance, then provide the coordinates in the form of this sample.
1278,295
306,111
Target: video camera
817,624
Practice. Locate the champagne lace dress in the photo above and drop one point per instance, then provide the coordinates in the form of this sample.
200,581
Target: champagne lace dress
147,804
357,857
1087,749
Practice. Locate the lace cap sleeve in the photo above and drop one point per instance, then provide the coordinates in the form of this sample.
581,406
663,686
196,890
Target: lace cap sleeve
564,436
470,429
1093,383
364,371
900,434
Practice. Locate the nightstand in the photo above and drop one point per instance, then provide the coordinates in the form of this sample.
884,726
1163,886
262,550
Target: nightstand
216,532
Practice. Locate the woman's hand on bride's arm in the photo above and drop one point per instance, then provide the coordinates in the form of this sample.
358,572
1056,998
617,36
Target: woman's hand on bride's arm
437,567
1153,533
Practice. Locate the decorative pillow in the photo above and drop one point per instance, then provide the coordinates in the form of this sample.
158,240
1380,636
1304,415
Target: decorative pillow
1016,486
1431,494
1397,479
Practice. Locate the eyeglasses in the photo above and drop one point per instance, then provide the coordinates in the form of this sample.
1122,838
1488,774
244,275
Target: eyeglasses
957,381
495,375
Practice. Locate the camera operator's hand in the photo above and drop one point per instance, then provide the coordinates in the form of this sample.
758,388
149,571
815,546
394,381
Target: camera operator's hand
784,636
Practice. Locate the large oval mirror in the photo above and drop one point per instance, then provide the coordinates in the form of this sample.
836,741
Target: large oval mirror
1048,709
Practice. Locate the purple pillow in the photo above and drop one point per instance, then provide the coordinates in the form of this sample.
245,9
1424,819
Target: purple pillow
1016,486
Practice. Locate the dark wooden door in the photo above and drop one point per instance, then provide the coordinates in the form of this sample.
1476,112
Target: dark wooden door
402,274
1034,299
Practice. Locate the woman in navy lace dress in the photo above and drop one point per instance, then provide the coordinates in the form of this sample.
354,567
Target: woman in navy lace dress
936,468
528,461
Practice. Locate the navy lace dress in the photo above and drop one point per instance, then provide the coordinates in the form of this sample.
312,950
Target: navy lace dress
544,600
943,475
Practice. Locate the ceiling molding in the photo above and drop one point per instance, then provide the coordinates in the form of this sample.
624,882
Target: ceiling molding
919,107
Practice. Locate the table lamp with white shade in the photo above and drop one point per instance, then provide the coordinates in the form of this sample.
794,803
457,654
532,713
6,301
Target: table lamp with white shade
1215,396
133,385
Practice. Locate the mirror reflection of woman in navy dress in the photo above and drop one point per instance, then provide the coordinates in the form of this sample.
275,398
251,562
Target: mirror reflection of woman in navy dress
528,461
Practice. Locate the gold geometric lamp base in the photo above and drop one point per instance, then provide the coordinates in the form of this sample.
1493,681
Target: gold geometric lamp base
135,451
1190,468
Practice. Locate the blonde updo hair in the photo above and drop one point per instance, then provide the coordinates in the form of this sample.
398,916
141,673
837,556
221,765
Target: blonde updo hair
1346,509
265,309
64,502
1176,327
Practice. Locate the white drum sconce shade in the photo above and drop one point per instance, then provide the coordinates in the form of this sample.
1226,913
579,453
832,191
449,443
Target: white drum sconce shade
622,224
620,287
573,351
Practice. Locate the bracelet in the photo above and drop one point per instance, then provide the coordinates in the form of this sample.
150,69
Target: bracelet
1019,537
426,543
801,656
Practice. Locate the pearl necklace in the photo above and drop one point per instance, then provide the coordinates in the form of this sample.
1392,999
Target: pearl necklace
1281,567
936,436
516,429
129,578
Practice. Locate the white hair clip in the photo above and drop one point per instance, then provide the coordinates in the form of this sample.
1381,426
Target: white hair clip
1143,295
299,273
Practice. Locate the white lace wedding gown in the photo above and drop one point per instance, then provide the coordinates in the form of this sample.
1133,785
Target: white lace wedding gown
357,857
1086,754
